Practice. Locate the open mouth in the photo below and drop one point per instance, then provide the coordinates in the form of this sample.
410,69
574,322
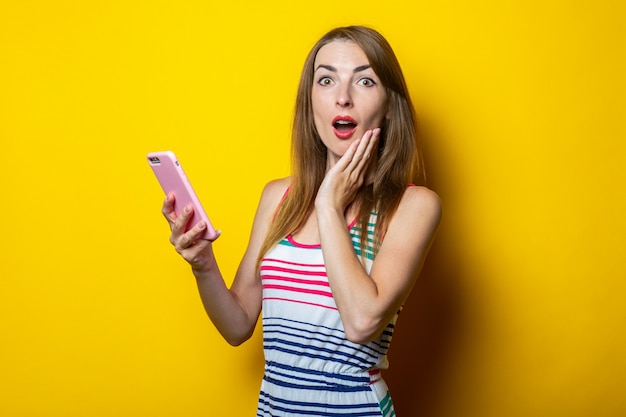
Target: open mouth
344,126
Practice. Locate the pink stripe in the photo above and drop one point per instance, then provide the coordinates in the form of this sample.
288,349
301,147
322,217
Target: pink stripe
293,271
300,290
297,280
374,375
304,245
315,245
291,263
300,302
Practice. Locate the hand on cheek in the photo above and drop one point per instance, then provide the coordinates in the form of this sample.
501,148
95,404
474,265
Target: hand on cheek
344,179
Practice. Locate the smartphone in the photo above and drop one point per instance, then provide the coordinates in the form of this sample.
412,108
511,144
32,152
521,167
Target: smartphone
172,178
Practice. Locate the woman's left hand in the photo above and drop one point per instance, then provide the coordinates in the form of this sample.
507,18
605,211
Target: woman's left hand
343,180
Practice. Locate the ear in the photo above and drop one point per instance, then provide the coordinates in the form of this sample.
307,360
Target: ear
390,100
388,115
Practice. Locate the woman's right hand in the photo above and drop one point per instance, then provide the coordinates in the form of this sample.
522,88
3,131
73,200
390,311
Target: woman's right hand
196,251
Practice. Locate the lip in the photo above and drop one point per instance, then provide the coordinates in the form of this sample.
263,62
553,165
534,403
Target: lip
344,134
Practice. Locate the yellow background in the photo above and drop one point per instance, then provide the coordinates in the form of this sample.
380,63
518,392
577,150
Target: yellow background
521,308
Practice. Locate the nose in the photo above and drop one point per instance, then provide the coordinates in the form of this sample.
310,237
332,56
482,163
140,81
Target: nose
344,98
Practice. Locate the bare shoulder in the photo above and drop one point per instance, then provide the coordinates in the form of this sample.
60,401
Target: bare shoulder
422,199
279,185
273,193
275,190
422,205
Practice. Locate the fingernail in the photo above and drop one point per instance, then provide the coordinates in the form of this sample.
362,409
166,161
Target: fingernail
201,225
187,209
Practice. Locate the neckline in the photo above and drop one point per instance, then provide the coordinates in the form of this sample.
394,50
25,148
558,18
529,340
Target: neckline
291,240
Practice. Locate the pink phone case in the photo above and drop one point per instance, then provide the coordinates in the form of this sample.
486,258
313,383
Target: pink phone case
172,178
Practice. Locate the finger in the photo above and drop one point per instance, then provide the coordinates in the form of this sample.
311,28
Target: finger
168,208
371,146
363,152
364,158
180,224
191,238
348,156
195,255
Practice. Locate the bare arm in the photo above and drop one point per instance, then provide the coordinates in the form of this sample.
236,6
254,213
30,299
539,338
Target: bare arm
234,311
368,302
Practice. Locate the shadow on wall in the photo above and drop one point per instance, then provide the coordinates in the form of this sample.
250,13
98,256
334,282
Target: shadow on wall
431,321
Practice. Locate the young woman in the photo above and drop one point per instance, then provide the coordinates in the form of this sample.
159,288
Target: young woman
336,248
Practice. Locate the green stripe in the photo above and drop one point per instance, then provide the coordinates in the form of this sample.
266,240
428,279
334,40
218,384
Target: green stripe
386,406
355,234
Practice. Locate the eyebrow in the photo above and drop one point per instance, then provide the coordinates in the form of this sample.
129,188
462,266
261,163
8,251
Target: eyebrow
333,69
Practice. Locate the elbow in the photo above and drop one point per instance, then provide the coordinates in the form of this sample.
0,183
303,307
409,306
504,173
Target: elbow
359,339
236,339
362,331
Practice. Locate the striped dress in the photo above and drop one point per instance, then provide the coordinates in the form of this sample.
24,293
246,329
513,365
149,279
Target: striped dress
311,368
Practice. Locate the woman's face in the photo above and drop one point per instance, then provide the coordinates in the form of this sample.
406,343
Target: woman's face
348,98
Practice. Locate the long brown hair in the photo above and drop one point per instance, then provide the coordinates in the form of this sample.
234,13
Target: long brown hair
400,158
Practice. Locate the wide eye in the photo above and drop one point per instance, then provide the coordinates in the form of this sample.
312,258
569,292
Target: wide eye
325,81
366,82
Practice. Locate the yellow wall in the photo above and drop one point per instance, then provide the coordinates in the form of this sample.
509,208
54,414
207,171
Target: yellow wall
520,310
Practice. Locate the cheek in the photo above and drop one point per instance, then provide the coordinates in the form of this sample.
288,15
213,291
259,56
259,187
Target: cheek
377,115
317,115
320,114
383,110
318,98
